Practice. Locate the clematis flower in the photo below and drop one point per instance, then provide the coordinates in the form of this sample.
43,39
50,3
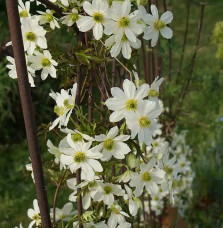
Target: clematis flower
43,61
48,18
33,35
65,214
106,192
65,101
112,145
124,45
123,22
127,101
154,89
97,11
34,214
24,9
157,25
13,74
143,121
148,177
70,18
79,155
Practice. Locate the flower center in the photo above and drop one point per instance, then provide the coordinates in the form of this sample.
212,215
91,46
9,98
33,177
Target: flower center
67,104
168,170
159,24
108,144
98,17
23,13
74,17
144,122
59,110
45,62
146,177
153,93
30,36
107,190
49,17
79,157
77,137
131,105
182,164
124,22
36,217
155,144
92,184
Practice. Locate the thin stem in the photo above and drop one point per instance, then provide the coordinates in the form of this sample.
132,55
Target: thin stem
55,197
170,49
184,90
185,41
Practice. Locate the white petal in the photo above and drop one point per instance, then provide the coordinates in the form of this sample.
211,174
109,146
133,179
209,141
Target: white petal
166,33
167,17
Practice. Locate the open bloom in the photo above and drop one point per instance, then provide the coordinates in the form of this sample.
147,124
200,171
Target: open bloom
65,213
97,11
24,9
123,22
48,18
124,45
33,35
154,89
43,61
79,155
70,18
148,177
143,121
65,101
157,25
34,214
106,192
117,217
127,101
112,145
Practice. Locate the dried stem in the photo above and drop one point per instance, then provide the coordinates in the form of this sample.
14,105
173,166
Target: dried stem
185,41
184,89
55,198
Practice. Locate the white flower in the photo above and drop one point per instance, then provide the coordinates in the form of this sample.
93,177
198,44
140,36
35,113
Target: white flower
125,177
65,213
183,164
78,156
29,167
106,192
96,225
97,11
127,101
43,61
78,136
112,145
117,217
143,121
20,226
24,9
123,22
154,89
33,35
47,17
65,104
148,178
124,45
34,214
70,18
56,151
13,74
133,202
157,25
157,204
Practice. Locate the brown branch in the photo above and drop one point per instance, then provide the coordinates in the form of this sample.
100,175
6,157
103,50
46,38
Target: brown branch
185,41
55,198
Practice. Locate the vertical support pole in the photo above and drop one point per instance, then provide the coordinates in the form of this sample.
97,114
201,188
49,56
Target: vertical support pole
26,101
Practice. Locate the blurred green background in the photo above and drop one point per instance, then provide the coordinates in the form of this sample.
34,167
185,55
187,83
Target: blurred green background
202,116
